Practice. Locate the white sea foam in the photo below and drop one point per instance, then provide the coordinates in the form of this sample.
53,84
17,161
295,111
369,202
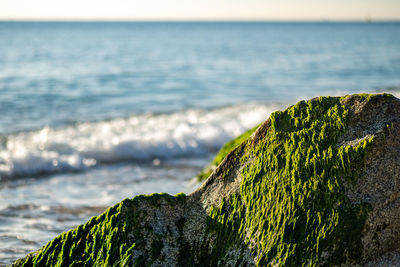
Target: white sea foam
185,133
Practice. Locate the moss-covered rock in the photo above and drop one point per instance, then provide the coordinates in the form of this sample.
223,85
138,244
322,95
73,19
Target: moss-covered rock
316,184
134,230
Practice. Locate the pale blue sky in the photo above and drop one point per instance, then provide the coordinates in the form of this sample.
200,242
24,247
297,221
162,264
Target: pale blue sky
200,9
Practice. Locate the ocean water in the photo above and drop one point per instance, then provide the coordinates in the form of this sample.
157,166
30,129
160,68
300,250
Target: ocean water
92,113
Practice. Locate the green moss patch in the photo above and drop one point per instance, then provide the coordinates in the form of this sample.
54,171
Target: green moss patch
105,240
291,209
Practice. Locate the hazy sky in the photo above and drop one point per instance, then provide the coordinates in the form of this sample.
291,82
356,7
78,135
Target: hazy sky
201,9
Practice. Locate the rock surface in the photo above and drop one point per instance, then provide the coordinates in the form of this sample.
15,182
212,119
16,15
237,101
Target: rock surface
316,184
222,153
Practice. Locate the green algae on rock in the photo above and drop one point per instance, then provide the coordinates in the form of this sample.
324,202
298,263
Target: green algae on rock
293,186
111,239
315,185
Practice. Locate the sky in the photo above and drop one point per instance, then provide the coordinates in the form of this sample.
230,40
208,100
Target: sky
199,9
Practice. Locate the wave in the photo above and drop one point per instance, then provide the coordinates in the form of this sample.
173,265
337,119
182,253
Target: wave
148,137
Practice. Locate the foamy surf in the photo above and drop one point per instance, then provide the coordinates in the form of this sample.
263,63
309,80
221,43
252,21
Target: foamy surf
148,137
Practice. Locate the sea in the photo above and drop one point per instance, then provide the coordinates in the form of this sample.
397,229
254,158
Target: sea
95,112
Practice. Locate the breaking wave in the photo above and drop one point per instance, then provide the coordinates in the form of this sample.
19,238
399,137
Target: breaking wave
187,133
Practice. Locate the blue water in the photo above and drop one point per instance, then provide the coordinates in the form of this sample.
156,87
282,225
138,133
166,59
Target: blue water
92,113
54,74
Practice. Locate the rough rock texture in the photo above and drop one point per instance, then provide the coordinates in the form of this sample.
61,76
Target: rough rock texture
223,152
316,184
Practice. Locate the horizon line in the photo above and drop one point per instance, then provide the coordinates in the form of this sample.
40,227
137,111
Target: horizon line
368,19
